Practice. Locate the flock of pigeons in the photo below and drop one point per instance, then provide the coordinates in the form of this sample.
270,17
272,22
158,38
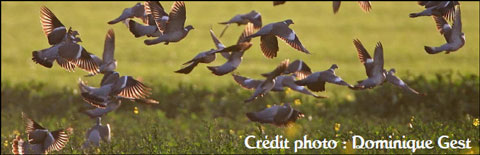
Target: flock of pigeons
170,27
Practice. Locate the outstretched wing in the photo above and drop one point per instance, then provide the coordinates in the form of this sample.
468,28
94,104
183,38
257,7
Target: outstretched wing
290,37
30,125
364,57
158,13
131,88
269,45
49,20
441,24
290,82
109,47
245,82
365,5
378,63
177,17
61,138
399,82
336,6
457,21
246,32
300,68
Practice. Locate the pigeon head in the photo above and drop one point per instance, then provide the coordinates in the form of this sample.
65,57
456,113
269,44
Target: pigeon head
392,70
296,115
138,5
288,21
334,66
189,27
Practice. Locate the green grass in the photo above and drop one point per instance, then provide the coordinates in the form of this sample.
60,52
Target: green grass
199,120
204,113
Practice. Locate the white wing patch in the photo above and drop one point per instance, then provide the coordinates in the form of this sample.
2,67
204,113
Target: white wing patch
299,87
369,60
124,83
164,18
337,79
256,15
58,28
446,26
79,52
291,36
221,45
300,65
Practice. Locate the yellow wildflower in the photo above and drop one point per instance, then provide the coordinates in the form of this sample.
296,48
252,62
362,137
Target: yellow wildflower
288,90
135,110
5,143
297,102
268,105
476,122
337,127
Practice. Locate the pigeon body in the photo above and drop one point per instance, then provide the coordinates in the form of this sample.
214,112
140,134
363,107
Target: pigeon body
277,115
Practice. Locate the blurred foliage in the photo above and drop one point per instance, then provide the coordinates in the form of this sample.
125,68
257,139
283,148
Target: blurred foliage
201,120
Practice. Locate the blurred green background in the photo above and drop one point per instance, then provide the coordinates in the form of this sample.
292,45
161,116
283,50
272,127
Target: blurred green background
329,38
204,113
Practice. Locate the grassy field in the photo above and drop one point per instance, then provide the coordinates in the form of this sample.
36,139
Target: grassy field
203,112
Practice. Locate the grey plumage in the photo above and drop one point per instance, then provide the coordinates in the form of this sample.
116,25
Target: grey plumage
57,36
268,37
203,57
236,53
107,63
453,34
139,30
100,112
113,87
78,55
277,115
289,81
445,9
365,5
174,29
97,133
376,74
269,83
156,19
316,81
374,67
390,77
299,68
280,82
40,139
243,19
137,10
